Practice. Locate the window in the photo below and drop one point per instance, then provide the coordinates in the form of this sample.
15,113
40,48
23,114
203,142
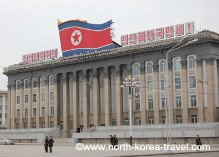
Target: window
25,126
162,66
42,111
42,125
26,113
43,97
137,88
26,99
149,68
26,84
34,112
34,125
194,119
177,83
177,64
34,82
136,69
149,86
192,62
51,80
178,119
51,124
51,96
137,105
193,101
163,120
51,111
162,84
42,82
178,102
150,104
126,121
17,84
163,103
34,97
114,122
17,126
137,121
150,120
192,82
18,113
18,100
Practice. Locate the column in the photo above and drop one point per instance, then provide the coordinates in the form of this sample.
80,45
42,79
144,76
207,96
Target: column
85,107
13,105
75,101
3,109
142,96
47,104
96,98
118,96
9,107
106,96
65,107
30,93
210,90
55,118
38,105
200,100
156,93
21,106
185,114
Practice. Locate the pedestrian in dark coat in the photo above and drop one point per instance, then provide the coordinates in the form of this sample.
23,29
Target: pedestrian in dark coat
51,141
198,142
111,140
115,141
46,144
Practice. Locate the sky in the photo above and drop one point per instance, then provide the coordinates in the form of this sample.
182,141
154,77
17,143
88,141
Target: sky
29,26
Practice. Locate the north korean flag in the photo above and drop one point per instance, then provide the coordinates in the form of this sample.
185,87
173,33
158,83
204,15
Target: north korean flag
78,37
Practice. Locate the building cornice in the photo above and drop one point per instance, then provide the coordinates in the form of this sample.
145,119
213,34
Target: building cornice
112,53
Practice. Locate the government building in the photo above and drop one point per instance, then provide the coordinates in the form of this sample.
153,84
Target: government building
84,91
3,109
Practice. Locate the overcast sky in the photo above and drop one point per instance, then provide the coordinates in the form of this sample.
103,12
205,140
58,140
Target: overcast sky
29,26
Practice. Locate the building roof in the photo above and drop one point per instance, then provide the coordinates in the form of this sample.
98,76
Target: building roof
202,36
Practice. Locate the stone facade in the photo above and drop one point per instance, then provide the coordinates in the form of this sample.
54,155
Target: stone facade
79,92
3,109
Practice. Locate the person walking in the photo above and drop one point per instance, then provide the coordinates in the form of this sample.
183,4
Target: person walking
51,141
198,142
115,141
111,140
46,142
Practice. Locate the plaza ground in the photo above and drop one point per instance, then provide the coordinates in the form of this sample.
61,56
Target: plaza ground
31,150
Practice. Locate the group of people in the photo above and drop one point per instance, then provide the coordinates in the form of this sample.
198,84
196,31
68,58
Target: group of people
48,144
113,140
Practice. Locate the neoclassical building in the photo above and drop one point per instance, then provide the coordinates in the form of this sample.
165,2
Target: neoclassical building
3,109
81,91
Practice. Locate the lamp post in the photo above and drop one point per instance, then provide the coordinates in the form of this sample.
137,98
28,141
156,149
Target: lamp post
130,83
167,105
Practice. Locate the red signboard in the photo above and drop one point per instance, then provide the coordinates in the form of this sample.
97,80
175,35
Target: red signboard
158,34
40,56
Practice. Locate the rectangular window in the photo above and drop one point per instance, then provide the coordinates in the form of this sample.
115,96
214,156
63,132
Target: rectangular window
150,120
192,82
42,125
51,96
26,99
42,111
194,119
51,111
34,97
137,87
137,121
43,97
26,112
18,100
178,102
51,124
149,86
137,105
177,83
34,83
34,125
178,119
18,113
25,126
34,112
163,119
193,101
163,103
150,104
162,84
114,122
126,121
